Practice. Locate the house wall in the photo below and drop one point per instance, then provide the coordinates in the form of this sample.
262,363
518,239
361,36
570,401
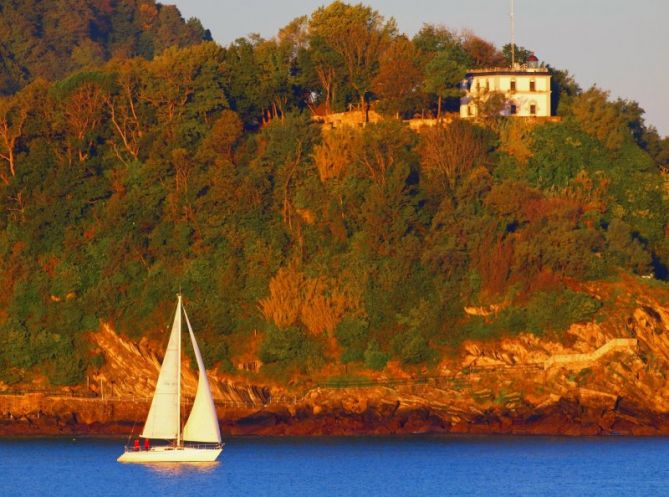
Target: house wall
482,85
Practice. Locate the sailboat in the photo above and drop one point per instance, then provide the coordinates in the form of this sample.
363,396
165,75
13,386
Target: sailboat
200,438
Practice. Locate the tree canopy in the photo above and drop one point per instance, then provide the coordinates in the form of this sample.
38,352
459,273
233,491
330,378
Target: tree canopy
52,39
201,168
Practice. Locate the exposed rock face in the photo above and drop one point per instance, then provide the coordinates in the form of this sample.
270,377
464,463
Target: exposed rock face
610,379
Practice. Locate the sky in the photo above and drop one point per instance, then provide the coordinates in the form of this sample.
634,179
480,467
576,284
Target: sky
619,45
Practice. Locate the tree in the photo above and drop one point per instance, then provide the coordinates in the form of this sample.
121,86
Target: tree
563,89
55,39
241,75
335,154
482,52
657,147
442,77
432,39
521,54
318,304
449,151
398,80
599,118
443,58
186,86
80,100
382,146
123,107
276,68
625,250
357,35
224,134
321,65
13,116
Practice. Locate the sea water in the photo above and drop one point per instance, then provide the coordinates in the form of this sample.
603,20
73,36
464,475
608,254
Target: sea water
332,467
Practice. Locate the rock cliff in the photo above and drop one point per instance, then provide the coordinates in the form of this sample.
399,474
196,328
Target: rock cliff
607,377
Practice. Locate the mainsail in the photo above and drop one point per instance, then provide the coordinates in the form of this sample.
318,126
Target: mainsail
202,424
163,419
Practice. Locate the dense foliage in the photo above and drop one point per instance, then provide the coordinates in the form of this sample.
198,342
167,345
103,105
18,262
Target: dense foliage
51,39
202,170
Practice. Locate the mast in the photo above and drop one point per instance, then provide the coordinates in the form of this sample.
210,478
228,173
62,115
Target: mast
513,37
179,374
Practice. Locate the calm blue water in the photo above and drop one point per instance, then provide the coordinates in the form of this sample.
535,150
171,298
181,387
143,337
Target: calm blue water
337,467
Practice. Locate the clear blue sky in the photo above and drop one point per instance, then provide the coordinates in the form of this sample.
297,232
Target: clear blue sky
621,45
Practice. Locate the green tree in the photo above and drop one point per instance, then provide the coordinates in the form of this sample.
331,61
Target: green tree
398,81
521,54
358,35
442,78
599,118
52,40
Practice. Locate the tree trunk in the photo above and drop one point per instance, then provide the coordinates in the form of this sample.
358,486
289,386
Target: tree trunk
439,109
12,170
363,108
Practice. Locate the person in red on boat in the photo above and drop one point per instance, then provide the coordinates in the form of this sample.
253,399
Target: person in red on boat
147,444
136,445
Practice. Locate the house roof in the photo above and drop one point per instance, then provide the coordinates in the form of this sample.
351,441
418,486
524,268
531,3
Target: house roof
523,71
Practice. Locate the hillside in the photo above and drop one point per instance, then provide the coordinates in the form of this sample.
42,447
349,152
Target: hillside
609,379
52,39
309,255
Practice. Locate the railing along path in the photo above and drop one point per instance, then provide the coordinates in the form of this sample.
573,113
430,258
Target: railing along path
455,380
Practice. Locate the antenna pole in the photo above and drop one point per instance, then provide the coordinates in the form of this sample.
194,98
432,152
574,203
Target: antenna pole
513,37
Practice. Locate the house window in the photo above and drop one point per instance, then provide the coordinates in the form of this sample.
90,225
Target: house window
533,109
513,110
533,86
513,85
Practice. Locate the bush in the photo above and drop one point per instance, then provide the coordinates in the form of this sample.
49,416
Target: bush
411,347
10,376
97,361
351,334
476,328
556,311
375,358
546,311
67,369
291,346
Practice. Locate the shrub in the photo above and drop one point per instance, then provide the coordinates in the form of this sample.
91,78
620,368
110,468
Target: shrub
97,361
291,347
67,369
557,310
351,334
375,358
411,347
546,311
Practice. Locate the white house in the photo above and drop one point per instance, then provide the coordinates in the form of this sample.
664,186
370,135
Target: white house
526,90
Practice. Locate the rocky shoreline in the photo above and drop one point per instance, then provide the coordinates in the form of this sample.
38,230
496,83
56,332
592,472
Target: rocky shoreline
603,378
566,417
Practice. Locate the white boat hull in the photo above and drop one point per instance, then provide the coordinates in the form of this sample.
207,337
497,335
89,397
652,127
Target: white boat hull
171,454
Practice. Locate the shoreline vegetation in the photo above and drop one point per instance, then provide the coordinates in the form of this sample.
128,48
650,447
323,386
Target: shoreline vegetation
138,158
